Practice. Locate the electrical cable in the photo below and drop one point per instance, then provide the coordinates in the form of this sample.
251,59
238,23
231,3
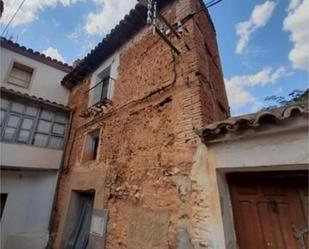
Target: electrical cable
212,3
12,18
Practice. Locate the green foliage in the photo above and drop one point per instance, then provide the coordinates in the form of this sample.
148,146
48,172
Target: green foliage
295,97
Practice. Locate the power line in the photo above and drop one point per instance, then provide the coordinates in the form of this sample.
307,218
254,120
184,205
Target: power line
212,3
12,18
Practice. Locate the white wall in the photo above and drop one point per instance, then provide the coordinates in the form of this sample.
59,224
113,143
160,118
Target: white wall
113,62
45,82
28,156
24,224
266,150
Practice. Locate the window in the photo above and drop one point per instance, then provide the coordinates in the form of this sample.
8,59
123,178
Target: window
91,146
20,75
100,92
3,202
26,123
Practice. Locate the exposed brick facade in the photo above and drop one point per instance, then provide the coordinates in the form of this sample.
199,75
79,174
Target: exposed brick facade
147,136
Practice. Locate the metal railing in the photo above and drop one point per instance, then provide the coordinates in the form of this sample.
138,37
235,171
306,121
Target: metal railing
99,92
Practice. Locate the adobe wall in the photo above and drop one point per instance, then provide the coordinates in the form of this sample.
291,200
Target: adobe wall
147,142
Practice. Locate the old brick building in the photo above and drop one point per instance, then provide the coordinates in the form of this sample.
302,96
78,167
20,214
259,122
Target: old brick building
136,106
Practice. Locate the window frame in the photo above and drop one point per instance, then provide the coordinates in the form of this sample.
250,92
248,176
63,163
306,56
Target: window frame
34,128
95,153
21,64
103,79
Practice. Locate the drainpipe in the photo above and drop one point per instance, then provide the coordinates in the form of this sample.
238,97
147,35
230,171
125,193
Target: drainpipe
67,138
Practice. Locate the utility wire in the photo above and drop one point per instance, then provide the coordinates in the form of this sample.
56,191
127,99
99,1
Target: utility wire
12,18
212,3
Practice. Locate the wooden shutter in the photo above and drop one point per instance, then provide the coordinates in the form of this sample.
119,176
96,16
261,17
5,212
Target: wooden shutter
20,75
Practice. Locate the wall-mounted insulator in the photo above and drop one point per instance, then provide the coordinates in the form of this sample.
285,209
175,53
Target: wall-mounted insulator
149,12
167,32
154,17
162,27
179,27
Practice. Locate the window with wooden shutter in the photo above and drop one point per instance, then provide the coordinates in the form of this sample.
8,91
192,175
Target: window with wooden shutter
20,75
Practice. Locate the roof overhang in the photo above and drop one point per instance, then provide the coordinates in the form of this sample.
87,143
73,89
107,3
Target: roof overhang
238,127
15,47
11,92
124,31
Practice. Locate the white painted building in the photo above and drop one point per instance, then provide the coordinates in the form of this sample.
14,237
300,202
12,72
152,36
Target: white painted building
253,171
34,121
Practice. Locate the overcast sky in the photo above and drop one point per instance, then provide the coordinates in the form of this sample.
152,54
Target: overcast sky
264,45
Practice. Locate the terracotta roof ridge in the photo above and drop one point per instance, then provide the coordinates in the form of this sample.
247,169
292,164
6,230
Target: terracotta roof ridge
33,97
10,44
252,120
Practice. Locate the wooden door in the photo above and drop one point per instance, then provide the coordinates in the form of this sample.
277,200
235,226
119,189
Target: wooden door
270,210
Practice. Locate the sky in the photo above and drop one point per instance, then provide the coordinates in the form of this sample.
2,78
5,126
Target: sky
263,45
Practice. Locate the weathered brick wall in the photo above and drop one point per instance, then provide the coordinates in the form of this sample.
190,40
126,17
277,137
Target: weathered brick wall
147,137
213,94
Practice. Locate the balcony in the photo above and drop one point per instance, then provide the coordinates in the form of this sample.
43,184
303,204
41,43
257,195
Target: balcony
98,97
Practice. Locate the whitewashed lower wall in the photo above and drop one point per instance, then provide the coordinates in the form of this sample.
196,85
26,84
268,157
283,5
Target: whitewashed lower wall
25,220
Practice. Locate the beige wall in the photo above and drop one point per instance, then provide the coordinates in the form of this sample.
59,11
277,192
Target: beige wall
28,156
45,80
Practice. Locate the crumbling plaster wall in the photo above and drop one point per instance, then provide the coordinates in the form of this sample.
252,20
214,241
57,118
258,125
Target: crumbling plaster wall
147,142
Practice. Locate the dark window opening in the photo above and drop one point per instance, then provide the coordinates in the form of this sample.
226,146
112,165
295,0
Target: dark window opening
91,146
3,202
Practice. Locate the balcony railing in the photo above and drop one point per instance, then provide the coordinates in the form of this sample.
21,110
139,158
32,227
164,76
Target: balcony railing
99,92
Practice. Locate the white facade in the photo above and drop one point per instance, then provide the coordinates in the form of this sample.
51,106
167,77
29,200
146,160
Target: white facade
25,220
29,172
45,82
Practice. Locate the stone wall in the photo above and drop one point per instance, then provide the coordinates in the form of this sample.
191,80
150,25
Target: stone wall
147,137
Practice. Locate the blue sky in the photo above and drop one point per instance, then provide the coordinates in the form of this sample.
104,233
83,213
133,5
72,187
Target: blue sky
263,45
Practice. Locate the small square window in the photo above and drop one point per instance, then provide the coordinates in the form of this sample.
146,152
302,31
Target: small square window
17,107
9,134
91,146
31,110
13,121
23,136
20,75
27,123
59,129
40,140
61,118
44,126
46,115
56,142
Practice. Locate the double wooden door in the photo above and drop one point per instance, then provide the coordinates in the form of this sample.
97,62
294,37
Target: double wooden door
270,210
